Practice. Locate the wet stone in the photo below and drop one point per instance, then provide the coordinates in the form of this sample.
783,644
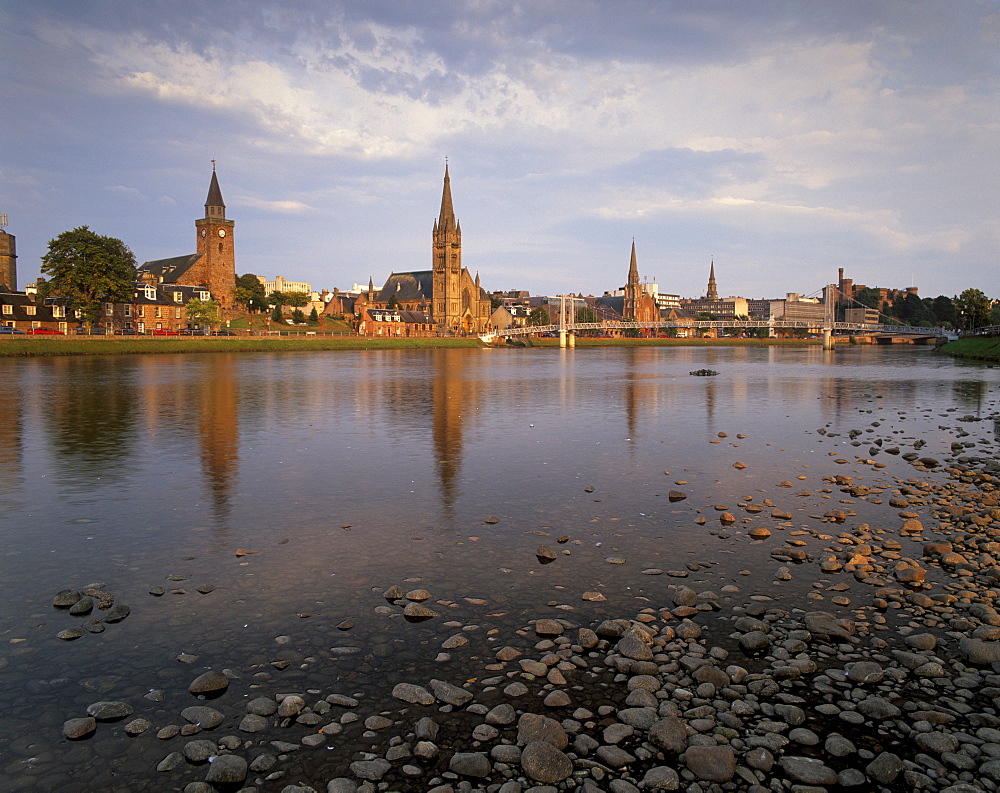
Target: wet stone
544,763
74,729
205,717
109,711
227,769
209,682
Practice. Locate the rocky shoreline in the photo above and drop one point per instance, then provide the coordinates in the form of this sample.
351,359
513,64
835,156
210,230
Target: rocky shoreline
894,688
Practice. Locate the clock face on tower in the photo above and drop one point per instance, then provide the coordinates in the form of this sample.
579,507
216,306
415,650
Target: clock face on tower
222,232
204,233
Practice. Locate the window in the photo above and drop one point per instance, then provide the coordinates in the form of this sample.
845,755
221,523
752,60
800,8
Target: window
8,309
128,324
159,325
109,309
58,311
62,326
128,310
158,314
150,293
177,312
178,297
36,324
140,311
141,327
30,310
204,295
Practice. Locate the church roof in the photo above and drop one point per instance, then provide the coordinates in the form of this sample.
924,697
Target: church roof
169,270
611,303
408,287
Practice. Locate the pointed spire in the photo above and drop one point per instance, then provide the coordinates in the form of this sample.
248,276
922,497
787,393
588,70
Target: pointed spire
446,219
633,268
713,291
214,205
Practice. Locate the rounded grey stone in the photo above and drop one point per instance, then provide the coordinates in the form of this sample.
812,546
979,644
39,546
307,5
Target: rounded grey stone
474,764
209,682
109,711
227,769
543,762
205,717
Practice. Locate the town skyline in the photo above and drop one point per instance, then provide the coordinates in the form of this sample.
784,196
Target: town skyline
781,143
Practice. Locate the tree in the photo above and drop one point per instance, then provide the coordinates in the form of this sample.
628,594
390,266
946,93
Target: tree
203,313
393,303
973,309
911,310
85,269
250,293
995,313
586,314
868,297
314,316
276,315
296,299
276,299
539,316
944,311
298,317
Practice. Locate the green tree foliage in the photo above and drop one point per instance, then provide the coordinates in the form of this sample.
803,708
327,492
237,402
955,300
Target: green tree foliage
85,269
314,316
393,303
277,299
586,314
995,313
298,317
538,317
276,314
870,298
204,313
495,302
296,299
944,310
911,310
973,309
250,293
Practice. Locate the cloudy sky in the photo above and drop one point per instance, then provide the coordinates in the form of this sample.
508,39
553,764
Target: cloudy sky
784,139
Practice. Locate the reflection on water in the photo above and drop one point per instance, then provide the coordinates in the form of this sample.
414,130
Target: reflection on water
348,472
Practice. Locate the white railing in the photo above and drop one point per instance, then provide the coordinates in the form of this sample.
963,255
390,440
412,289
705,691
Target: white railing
779,324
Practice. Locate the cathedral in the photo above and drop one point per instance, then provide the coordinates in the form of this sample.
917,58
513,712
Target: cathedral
450,299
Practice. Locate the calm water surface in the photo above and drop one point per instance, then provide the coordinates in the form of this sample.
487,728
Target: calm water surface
348,472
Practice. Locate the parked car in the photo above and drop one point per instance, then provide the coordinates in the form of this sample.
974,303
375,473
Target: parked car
7,331
126,332
165,332
91,332
223,333
192,332
45,332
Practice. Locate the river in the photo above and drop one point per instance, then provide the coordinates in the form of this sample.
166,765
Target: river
294,489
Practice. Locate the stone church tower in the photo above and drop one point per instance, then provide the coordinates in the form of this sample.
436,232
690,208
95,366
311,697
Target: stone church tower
217,265
8,261
447,265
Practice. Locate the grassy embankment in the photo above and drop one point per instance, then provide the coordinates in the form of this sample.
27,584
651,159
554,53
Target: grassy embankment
16,346
977,349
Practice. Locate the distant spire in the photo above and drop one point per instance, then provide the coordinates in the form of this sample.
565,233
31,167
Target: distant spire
633,268
214,205
446,220
713,291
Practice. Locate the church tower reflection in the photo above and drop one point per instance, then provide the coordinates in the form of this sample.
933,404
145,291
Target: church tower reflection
218,435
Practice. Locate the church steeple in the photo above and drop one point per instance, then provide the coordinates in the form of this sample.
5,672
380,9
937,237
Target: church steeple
713,291
446,220
215,207
633,269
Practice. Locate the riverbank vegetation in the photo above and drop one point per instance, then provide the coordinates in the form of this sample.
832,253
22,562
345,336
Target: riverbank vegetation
977,349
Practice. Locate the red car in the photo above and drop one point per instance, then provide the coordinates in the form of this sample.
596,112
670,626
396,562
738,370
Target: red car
164,332
45,332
